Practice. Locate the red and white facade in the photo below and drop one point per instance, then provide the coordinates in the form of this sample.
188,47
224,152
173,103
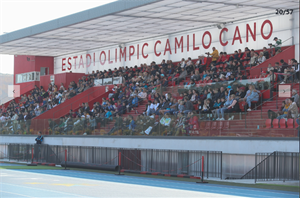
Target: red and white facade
254,34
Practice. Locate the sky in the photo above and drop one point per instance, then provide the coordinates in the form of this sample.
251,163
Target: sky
19,14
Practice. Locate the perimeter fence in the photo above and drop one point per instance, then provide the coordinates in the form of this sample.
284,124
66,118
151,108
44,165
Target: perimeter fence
170,162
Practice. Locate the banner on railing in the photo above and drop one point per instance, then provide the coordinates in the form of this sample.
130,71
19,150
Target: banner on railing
117,80
108,81
98,82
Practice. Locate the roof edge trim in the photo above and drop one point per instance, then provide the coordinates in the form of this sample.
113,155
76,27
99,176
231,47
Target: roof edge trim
86,15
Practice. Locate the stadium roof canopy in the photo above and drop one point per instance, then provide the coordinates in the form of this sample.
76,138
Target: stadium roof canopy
131,20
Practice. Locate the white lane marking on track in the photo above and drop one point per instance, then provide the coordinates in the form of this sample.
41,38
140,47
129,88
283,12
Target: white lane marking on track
16,194
44,190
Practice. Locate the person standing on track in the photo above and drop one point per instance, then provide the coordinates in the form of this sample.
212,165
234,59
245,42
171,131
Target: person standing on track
40,138
37,146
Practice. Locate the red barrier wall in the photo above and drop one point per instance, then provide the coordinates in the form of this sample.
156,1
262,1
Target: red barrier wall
44,61
90,95
287,54
65,78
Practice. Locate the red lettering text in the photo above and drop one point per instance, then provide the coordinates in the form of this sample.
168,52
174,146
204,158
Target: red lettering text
70,65
100,58
109,61
122,54
157,54
206,46
138,51
220,37
178,45
63,64
194,42
188,43
144,56
248,29
75,57
88,60
167,47
262,29
81,62
237,31
131,53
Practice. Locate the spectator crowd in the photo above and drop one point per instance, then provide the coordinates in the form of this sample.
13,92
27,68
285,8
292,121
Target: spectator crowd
145,83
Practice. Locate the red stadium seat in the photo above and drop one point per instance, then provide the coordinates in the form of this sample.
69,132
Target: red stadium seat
194,122
226,125
290,123
268,123
207,125
296,124
242,105
220,125
195,106
275,123
282,123
214,126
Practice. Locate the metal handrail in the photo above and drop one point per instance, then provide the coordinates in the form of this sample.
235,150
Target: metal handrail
253,169
289,39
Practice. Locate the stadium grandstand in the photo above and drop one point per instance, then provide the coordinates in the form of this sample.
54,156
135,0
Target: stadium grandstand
161,74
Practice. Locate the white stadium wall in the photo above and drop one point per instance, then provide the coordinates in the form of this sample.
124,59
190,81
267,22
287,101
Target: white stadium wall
254,33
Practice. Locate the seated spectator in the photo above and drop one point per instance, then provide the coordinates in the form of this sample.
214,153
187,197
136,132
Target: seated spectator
164,107
241,77
229,107
108,114
118,124
240,92
266,53
181,77
253,59
72,94
201,63
264,74
173,107
214,54
207,106
246,56
293,109
131,125
283,110
261,58
216,107
270,67
220,59
152,109
252,95
179,124
165,123
195,75
295,96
